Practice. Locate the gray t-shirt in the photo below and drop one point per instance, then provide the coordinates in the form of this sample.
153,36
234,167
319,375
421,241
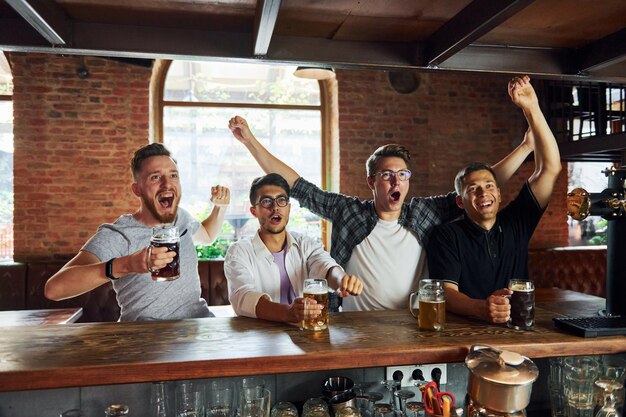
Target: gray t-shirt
139,297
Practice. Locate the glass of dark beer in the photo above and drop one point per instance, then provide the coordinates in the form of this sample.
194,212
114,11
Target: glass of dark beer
316,289
522,304
166,236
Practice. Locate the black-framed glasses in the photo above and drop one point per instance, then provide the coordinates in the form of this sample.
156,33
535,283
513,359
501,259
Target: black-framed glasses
268,202
401,174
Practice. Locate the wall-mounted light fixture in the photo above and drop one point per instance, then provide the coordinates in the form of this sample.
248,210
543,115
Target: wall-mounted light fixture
314,73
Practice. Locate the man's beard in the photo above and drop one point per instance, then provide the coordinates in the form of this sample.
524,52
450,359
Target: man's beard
162,218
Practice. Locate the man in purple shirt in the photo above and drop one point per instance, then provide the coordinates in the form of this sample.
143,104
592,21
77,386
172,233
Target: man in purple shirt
266,272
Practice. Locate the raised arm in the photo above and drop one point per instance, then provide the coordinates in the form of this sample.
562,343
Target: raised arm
506,167
268,162
211,226
547,156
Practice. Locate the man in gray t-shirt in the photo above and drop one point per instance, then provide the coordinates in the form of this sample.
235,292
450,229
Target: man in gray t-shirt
118,252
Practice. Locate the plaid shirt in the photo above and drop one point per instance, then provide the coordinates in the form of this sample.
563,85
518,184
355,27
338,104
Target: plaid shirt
353,219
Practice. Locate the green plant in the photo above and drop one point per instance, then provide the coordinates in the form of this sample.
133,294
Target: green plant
215,251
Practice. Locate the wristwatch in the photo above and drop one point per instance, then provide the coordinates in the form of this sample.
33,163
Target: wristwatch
108,270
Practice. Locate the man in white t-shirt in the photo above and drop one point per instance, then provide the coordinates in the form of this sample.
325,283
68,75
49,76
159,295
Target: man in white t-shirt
380,240
266,272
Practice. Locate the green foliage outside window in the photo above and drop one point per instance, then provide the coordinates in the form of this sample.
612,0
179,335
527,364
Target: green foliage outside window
600,234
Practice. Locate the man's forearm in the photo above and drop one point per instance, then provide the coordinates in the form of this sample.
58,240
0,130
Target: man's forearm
506,167
268,310
459,303
213,223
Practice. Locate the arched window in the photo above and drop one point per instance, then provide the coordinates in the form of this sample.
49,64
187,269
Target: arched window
284,112
6,160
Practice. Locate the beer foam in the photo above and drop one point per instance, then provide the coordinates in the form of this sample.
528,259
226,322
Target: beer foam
521,288
315,291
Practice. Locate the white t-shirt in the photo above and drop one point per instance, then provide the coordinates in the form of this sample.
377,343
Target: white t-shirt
390,261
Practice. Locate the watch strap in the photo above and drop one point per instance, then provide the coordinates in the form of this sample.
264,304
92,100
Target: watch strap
108,270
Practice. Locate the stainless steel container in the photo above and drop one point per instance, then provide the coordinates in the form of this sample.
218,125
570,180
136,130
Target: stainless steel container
500,381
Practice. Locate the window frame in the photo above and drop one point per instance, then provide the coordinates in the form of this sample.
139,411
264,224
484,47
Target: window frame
328,117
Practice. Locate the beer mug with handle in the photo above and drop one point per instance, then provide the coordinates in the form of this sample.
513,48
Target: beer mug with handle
315,289
428,305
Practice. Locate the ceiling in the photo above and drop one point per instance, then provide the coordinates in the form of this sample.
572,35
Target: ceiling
571,39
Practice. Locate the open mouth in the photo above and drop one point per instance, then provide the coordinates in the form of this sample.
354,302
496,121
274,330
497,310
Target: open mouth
276,219
395,196
485,204
166,200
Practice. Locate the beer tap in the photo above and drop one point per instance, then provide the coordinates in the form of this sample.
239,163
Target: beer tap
610,204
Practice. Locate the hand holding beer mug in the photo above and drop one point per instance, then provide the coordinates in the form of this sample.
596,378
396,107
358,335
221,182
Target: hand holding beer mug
522,304
165,236
431,305
315,289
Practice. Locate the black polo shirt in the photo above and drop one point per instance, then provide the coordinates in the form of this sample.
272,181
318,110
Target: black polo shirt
481,261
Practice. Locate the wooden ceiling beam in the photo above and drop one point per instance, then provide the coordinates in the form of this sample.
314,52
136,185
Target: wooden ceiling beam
264,22
603,52
48,19
475,20
197,44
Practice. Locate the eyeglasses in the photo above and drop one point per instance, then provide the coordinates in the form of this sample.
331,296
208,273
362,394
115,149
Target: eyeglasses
268,202
402,174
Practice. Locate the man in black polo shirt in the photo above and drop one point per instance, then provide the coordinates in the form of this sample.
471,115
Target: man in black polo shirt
478,254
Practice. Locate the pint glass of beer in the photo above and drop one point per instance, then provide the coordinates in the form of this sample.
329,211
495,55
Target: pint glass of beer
166,236
522,304
316,289
428,305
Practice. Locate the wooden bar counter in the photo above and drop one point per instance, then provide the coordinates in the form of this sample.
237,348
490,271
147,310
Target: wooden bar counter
114,353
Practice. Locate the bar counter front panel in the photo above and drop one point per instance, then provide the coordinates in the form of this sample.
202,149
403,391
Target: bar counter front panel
114,353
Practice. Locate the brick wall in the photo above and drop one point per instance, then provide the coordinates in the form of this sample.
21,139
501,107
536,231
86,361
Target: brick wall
73,141
452,119
74,138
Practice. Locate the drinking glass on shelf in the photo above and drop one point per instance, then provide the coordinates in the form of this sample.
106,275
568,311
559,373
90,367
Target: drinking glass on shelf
403,395
580,374
158,400
415,409
608,409
220,399
284,409
189,399
373,397
347,412
391,386
314,404
610,380
254,402
383,410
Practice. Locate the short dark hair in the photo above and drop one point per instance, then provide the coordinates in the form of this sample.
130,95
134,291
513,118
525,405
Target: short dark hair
468,169
269,179
148,151
386,151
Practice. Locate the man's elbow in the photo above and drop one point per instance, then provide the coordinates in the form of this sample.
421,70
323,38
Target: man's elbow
51,291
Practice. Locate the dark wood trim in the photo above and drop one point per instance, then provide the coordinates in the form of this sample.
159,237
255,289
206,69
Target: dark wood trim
597,148
47,18
602,53
476,19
